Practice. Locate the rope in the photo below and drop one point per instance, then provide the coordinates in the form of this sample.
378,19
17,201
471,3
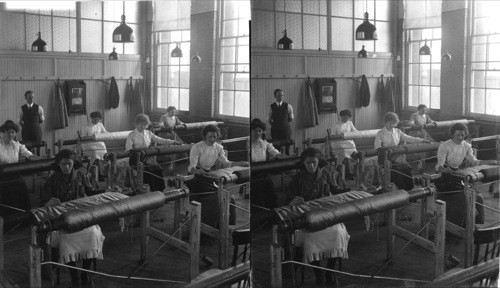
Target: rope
352,274
239,207
260,207
423,159
12,240
13,208
485,184
487,207
392,170
407,243
242,225
202,193
159,248
111,275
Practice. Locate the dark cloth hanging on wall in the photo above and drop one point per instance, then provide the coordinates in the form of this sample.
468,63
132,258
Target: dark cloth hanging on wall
138,99
311,116
60,110
129,98
113,95
390,95
363,96
381,94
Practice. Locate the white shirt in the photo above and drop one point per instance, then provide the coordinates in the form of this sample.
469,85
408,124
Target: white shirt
144,139
452,154
204,156
347,147
168,121
40,113
385,138
260,150
419,119
94,149
289,110
9,153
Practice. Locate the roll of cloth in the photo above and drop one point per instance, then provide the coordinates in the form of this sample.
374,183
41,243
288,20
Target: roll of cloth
474,173
159,151
289,216
409,149
365,134
446,124
197,125
274,165
230,174
491,173
121,135
27,167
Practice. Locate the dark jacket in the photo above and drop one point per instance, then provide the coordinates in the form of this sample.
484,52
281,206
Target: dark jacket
113,95
363,96
311,187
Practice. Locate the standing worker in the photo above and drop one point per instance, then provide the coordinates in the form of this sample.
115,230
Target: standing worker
30,118
280,116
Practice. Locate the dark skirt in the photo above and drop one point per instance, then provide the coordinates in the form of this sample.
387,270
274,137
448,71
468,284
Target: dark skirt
209,202
13,192
153,176
401,176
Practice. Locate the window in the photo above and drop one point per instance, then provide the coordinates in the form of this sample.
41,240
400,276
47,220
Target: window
423,72
234,63
485,59
306,23
172,74
58,26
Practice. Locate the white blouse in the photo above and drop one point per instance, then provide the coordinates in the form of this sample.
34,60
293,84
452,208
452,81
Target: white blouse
386,138
9,153
94,149
344,148
144,139
260,150
204,156
453,155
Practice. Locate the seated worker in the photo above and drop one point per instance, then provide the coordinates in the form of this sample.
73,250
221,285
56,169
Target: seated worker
262,188
142,138
310,183
170,120
14,192
95,150
455,154
202,158
344,149
67,184
390,136
420,118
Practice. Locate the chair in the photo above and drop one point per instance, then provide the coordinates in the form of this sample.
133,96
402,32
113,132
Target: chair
241,237
489,238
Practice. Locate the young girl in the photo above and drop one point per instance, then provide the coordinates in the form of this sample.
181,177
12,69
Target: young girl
170,120
344,149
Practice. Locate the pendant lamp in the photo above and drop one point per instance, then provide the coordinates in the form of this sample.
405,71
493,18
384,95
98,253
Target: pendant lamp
39,45
177,52
123,33
196,58
362,53
425,50
285,43
113,55
446,56
366,30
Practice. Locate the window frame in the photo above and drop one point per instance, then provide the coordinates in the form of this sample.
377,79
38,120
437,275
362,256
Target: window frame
469,69
219,72
156,45
406,69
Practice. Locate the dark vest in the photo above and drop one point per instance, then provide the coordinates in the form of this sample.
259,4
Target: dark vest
31,130
280,127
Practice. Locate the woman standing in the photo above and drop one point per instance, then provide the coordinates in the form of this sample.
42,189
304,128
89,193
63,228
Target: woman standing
390,136
14,192
142,138
310,183
68,184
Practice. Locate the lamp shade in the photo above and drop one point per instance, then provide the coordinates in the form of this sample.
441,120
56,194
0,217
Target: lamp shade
39,45
362,53
177,52
285,43
366,30
446,56
123,33
425,50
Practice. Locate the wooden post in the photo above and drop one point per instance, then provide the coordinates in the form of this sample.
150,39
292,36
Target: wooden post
224,200
440,212
391,222
470,204
276,251
360,169
144,235
140,174
2,259
35,253
423,216
177,214
194,238
387,175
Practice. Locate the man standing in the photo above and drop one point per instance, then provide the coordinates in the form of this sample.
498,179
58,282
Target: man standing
30,118
280,116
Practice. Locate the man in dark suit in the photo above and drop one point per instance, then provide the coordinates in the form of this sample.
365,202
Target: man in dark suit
30,118
280,116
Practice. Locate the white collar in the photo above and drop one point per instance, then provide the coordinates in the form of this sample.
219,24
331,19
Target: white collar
279,103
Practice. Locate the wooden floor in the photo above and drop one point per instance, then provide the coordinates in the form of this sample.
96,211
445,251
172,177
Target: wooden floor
122,251
367,253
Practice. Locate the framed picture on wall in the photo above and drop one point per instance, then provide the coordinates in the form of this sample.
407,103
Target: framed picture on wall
76,97
326,95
